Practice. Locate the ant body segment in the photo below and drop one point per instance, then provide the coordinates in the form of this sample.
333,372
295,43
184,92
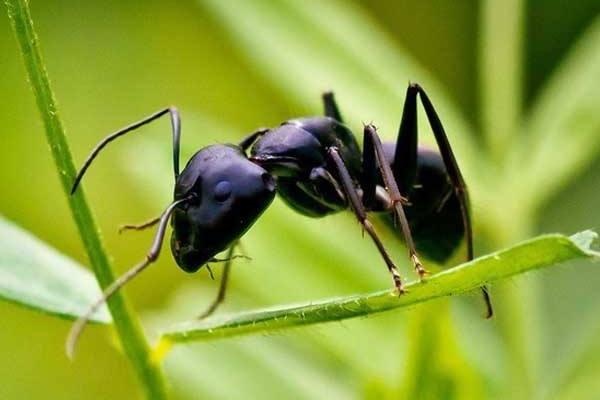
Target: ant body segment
316,166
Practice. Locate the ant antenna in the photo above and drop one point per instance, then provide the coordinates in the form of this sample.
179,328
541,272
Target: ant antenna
79,325
175,125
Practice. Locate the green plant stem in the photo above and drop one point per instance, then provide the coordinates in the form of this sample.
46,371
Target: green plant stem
500,58
540,252
126,322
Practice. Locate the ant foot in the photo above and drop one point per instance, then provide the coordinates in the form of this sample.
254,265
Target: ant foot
418,266
398,283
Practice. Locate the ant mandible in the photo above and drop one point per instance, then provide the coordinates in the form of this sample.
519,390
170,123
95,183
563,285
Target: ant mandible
317,168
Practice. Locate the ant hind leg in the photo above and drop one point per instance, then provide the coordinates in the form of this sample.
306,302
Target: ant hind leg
458,183
330,107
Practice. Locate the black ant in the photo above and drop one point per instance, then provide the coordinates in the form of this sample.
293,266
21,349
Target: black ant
316,166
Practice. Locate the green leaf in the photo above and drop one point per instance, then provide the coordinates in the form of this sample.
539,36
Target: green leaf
39,277
536,253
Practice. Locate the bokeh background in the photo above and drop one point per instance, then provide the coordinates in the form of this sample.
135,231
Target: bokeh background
233,66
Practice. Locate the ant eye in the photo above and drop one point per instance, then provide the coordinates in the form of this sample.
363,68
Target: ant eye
222,191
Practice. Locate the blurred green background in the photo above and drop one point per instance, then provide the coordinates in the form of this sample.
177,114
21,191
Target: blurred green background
233,66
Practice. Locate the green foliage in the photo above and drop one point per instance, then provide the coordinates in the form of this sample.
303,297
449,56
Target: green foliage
561,134
500,55
37,276
533,254
125,320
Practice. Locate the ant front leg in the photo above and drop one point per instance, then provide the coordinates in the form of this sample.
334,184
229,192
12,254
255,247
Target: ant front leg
361,213
222,286
373,158
111,289
139,227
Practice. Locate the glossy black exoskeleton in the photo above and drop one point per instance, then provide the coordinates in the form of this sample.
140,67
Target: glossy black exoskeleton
228,193
317,167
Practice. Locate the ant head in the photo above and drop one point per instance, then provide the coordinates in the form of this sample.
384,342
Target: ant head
229,192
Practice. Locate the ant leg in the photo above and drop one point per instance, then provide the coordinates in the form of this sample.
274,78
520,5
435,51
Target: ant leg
153,254
175,125
330,107
405,155
222,286
485,292
139,227
373,158
251,138
361,213
460,188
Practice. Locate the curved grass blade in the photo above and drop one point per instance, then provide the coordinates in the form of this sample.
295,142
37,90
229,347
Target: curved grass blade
37,276
543,251
501,54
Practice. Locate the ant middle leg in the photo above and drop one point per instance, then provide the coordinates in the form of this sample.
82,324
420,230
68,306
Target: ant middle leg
361,214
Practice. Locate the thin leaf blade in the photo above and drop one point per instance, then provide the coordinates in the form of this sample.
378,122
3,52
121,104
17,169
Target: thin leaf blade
37,276
533,254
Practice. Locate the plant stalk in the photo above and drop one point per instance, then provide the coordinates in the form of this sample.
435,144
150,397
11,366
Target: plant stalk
126,321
